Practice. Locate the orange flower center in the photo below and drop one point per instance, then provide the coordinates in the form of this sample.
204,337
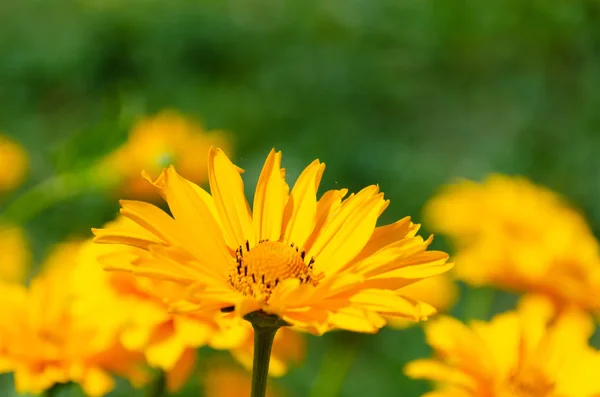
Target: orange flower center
260,269
530,383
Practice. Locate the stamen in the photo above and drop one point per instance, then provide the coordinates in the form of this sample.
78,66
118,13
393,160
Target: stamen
266,265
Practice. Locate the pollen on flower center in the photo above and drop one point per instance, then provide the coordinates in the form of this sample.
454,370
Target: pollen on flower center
260,269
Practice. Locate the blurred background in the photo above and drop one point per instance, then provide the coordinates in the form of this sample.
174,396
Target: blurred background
408,94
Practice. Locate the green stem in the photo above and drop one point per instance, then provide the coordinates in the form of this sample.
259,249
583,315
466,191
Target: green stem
336,364
159,386
263,342
265,327
54,390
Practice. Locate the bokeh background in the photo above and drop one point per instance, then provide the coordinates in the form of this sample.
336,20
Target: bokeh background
409,94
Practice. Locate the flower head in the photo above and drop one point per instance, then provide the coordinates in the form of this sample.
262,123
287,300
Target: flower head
16,256
44,340
168,340
14,164
317,264
168,138
533,352
515,235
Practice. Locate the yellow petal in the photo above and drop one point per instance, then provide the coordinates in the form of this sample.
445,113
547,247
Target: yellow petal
502,337
385,235
438,372
191,211
347,233
269,199
134,238
165,351
301,209
97,382
328,204
357,320
227,189
391,303
181,371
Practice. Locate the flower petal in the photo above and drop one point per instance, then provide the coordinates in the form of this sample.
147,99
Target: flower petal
346,234
227,189
301,209
269,199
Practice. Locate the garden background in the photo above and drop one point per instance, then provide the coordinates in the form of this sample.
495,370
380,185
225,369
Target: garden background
408,94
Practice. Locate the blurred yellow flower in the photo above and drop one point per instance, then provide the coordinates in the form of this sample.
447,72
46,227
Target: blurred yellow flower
439,291
317,264
140,306
222,379
45,341
532,352
16,257
512,234
167,138
14,164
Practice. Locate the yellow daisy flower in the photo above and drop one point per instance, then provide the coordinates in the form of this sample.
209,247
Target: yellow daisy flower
16,257
14,164
532,352
168,340
317,264
515,235
44,340
222,379
167,138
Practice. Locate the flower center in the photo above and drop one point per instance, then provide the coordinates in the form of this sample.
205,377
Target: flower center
530,383
260,269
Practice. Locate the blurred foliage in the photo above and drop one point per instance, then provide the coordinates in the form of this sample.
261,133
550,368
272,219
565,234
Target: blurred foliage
405,93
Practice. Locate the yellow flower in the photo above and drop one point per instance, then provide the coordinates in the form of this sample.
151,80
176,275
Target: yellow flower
16,256
532,352
222,379
45,341
14,164
317,264
140,307
515,235
167,138
439,291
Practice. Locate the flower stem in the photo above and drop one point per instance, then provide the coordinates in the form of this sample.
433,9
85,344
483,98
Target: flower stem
158,386
54,390
263,342
265,327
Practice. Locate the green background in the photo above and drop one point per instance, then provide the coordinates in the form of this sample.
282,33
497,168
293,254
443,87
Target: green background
408,94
